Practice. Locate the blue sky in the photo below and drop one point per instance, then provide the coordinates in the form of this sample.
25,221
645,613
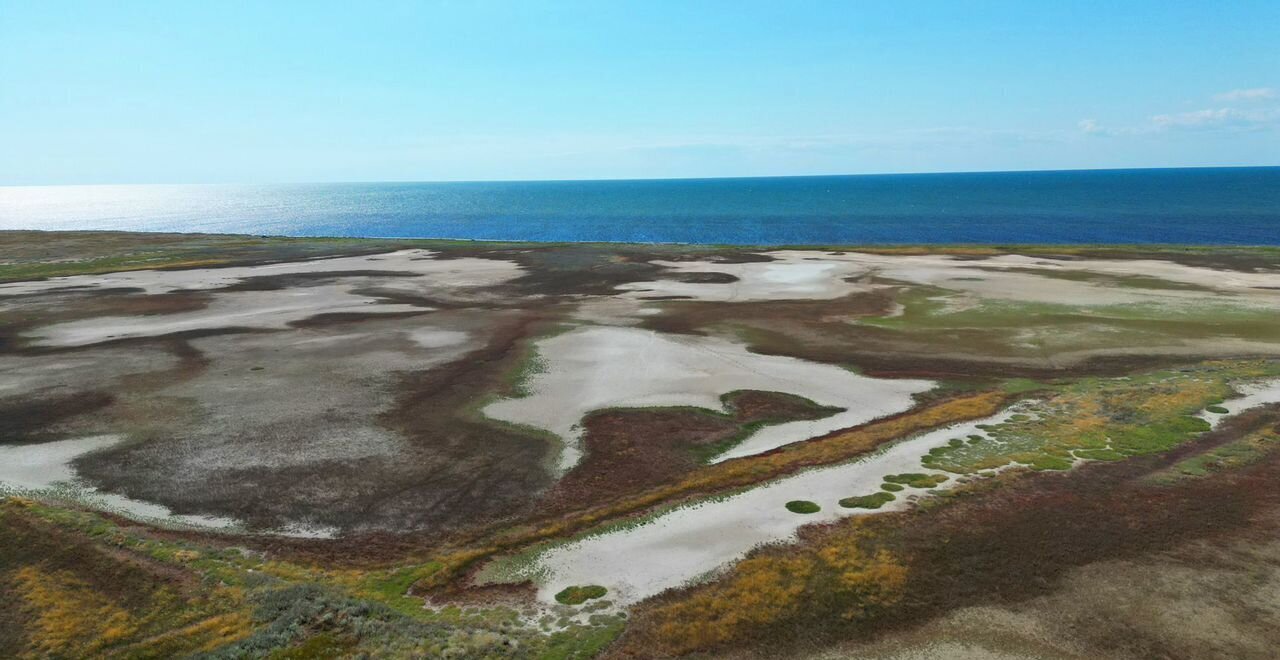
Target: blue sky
120,92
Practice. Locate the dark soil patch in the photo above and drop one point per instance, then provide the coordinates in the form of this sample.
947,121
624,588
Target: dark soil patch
702,278
29,421
631,450
1014,537
295,280
884,353
697,317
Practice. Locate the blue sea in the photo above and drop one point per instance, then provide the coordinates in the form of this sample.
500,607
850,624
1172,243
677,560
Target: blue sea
1192,206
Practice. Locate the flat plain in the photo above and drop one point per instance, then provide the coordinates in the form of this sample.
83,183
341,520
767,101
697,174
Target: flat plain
233,446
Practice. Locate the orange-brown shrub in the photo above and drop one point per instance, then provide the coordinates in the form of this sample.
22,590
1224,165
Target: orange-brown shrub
839,572
720,477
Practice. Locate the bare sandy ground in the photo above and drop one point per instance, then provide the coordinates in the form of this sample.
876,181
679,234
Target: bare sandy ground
682,545
46,468
594,367
207,422
443,272
346,288
825,275
1202,600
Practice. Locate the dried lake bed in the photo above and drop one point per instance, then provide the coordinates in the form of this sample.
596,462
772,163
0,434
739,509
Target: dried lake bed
569,448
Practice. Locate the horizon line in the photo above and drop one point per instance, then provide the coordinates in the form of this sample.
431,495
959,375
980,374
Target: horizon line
644,179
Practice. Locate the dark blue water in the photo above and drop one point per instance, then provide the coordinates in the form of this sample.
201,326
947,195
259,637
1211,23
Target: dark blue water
1204,206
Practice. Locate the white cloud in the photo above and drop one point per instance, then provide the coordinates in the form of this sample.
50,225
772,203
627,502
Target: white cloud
1251,94
1228,118
1192,119
1251,109
1090,126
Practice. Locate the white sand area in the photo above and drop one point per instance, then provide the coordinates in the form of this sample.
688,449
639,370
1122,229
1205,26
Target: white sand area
594,367
801,274
687,543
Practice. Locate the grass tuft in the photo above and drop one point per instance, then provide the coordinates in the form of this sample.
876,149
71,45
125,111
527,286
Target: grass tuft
916,479
580,595
803,506
872,501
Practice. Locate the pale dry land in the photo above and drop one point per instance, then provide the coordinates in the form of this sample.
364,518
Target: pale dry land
634,451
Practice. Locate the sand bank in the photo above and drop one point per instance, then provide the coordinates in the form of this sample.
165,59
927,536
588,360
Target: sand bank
593,368
802,274
684,544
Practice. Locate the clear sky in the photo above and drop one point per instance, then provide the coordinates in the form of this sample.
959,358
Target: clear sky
124,92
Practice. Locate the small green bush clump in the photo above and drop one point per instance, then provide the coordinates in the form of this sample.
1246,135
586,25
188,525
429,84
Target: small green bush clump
1217,409
892,487
872,501
803,506
916,479
579,595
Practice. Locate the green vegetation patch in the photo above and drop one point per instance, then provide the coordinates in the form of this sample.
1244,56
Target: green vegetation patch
580,595
892,487
919,479
1104,419
1237,453
872,501
1217,409
932,319
803,506
240,604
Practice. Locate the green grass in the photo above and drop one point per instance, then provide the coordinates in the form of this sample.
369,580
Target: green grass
1237,453
892,487
803,506
917,479
1104,419
872,501
1217,409
579,595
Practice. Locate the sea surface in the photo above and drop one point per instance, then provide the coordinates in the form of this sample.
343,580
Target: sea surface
1193,206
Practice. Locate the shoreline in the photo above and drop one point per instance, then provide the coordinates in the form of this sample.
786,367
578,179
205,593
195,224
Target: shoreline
494,242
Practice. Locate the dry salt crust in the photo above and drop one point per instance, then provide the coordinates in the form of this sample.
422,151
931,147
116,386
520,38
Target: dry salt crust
248,422
274,309
241,309
241,421
45,469
1252,395
447,272
54,375
799,274
688,543
595,367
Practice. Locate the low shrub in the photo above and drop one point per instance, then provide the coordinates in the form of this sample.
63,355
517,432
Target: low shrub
916,479
803,506
872,501
580,595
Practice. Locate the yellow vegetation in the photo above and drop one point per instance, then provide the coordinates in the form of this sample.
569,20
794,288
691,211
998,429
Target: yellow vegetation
186,555
71,619
773,588
746,471
203,636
